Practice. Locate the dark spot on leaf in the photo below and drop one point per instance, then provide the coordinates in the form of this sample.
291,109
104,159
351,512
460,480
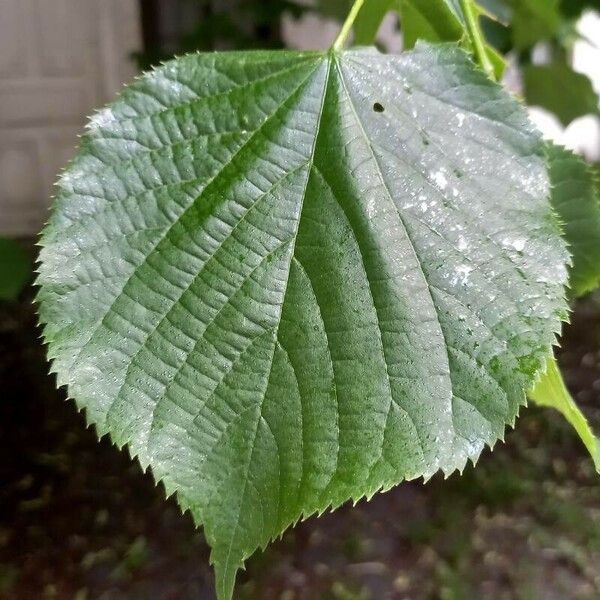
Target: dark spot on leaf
378,107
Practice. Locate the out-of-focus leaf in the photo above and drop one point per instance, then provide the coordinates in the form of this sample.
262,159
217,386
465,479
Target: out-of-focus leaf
533,21
575,200
337,9
574,8
559,89
369,20
290,279
15,269
552,392
497,35
432,21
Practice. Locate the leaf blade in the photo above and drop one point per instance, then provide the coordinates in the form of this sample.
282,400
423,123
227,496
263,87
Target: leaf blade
239,279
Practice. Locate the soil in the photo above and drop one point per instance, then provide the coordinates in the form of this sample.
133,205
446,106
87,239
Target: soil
79,520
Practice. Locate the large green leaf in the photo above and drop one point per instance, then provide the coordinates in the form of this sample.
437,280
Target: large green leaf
575,199
287,280
559,89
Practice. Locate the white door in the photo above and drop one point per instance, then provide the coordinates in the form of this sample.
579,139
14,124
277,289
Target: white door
59,60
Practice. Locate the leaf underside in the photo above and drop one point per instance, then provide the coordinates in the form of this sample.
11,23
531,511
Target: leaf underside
287,280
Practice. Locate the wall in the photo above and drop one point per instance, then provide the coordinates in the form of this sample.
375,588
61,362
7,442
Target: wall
59,59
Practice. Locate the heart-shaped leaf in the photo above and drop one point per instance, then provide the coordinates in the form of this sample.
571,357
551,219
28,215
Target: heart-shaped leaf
287,280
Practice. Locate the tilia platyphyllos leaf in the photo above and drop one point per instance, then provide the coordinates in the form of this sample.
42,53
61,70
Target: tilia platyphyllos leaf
286,280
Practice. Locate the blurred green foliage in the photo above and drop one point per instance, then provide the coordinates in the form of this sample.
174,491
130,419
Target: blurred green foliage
15,269
242,24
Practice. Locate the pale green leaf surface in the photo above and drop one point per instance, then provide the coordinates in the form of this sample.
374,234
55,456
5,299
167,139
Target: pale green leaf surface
577,204
552,392
287,280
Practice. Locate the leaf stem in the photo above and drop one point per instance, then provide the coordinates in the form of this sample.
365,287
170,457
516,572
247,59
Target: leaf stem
347,26
472,21
551,391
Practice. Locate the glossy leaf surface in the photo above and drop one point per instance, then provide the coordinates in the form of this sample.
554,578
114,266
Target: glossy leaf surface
286,280
577,203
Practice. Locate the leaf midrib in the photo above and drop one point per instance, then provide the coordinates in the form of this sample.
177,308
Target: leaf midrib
227,565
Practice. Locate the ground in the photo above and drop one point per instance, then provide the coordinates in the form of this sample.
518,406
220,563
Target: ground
79,520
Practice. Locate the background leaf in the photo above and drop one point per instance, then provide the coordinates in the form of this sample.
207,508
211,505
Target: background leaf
433,21
576,201
533,21
552,392
287,280
369,20
559,89
441,21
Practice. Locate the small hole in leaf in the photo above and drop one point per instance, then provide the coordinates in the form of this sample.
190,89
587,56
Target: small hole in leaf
378,107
